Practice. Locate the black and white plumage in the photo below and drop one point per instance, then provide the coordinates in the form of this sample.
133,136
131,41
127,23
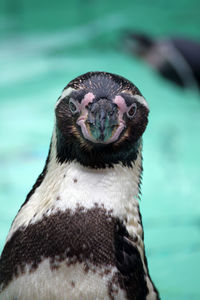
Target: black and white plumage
79,233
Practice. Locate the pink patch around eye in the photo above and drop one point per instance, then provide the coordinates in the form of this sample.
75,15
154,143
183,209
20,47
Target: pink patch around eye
87,99
119,100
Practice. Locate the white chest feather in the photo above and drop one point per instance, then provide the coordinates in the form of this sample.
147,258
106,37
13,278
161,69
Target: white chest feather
70,185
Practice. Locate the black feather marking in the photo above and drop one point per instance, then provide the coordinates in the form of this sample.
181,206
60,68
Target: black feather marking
129,264
39,179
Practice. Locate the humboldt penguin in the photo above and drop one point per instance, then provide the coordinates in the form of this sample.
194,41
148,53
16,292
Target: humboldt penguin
79,233
175,58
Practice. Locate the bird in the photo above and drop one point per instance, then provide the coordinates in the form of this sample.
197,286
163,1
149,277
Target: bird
176,59
79,233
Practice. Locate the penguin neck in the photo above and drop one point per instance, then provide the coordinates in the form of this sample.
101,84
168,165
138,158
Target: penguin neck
71,148
124,178
70,185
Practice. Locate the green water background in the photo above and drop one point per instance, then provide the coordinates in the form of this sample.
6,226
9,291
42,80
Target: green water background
45,44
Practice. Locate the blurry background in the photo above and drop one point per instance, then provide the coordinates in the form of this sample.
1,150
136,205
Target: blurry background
45,44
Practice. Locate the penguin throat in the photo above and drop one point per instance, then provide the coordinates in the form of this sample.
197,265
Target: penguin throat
95,157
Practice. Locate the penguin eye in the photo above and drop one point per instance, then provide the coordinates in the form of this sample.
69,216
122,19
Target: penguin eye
73,106
132,110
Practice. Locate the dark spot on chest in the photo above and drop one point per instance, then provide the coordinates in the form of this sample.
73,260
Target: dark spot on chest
72,283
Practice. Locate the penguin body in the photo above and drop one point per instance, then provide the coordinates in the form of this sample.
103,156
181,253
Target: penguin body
176,59
79,233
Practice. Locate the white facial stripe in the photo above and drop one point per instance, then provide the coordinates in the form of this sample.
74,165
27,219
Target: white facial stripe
64,94
141,100
119,100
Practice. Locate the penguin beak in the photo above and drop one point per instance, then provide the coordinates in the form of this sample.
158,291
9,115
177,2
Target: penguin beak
102,124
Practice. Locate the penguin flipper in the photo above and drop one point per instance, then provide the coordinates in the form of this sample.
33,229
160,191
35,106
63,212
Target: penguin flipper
130,266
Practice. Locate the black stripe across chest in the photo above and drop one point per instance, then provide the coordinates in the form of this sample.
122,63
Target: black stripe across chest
93,237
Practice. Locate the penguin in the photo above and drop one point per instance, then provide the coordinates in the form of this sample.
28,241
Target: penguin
79,233
176,59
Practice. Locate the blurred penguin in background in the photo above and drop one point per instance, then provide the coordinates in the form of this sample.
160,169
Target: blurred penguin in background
176,59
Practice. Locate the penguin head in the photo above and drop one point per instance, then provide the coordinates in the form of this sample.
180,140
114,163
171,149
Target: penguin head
101,111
